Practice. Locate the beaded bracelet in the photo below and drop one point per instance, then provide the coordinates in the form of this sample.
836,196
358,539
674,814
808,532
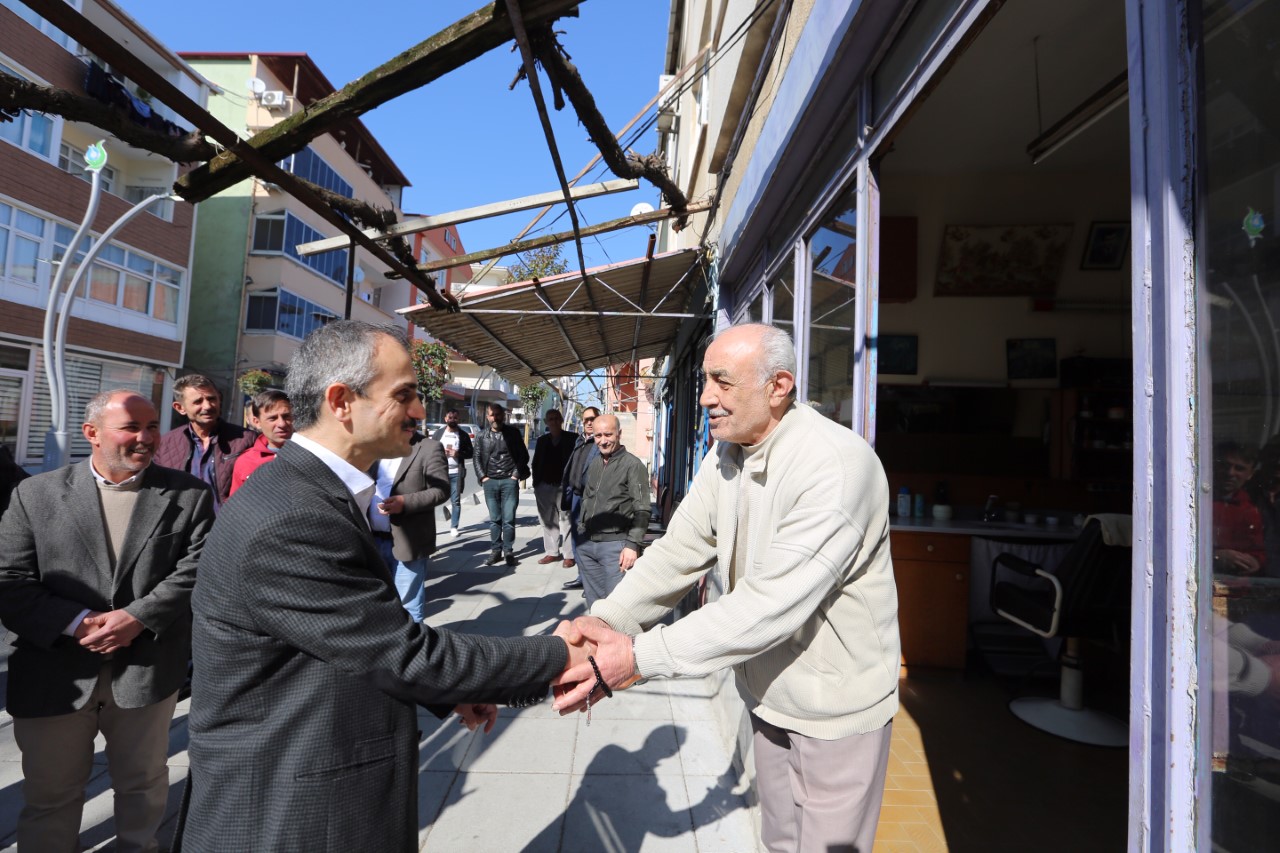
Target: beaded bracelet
599,685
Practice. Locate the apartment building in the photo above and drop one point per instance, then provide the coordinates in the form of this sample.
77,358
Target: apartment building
255,296
129,319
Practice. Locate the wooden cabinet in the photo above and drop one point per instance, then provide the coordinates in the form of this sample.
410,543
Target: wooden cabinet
932,574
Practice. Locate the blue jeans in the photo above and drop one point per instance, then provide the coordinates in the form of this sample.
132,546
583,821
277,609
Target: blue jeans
502,496
455,494
410,578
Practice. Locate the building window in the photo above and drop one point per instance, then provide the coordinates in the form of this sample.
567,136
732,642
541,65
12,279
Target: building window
71,161
308,165
280,311
32,131
282,232
25,235
125,279
25,13
161,209
832,312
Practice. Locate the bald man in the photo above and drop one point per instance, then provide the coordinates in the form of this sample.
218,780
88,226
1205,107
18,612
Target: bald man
790,510
614,515
97,564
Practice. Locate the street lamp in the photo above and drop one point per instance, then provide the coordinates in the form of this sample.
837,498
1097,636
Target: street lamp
58,310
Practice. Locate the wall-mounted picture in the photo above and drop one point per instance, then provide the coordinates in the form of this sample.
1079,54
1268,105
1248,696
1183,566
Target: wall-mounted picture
1106,247
1032,358
1001,260
897,354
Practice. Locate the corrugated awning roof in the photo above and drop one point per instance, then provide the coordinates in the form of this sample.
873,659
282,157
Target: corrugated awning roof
545,329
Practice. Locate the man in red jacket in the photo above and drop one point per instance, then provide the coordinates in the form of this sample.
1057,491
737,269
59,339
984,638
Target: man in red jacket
273,416
206,446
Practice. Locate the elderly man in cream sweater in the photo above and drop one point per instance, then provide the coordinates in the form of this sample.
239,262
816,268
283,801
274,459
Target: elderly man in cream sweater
791,511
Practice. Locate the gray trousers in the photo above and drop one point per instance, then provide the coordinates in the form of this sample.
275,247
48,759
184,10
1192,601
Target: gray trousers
819,796
57,761
557,538
598,568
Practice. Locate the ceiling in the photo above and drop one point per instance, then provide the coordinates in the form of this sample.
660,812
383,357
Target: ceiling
983,113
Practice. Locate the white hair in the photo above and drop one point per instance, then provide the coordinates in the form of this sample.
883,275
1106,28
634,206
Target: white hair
777,350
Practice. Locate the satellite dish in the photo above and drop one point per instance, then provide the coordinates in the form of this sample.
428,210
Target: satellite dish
642,207
358,275
257,86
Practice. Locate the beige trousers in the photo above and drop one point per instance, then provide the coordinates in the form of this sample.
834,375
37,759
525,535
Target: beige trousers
819,796
57,760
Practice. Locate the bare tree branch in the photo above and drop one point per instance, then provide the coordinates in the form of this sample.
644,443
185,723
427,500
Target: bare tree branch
17,94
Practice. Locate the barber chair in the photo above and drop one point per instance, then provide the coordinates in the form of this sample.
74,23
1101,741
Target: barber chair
1085,597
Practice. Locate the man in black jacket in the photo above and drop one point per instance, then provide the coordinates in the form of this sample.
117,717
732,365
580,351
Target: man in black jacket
550,456
457,447
501,462
615,512
307,667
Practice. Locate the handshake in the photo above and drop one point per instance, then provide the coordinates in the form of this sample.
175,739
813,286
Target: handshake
601,660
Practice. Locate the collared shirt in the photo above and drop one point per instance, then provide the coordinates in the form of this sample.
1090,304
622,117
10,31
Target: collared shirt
70,630
202,465
358,483
387,470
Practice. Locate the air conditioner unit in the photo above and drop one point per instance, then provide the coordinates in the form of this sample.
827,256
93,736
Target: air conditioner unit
273,98
667,102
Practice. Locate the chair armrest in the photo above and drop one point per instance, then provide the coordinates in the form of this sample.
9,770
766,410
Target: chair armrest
1012,561
1028,569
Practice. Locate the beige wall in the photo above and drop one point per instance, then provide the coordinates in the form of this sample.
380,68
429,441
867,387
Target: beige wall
963,337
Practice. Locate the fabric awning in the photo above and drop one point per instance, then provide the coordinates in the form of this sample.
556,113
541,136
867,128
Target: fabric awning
562,326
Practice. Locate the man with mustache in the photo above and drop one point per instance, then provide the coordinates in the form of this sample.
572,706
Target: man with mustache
97,563
790,510
206,446
308,670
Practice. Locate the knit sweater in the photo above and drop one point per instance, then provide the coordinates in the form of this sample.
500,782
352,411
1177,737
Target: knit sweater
811,625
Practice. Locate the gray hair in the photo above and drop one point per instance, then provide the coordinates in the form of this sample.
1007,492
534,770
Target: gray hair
341,352
98,403
777,350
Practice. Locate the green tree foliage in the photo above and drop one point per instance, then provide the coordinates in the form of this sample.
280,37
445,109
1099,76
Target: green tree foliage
254,382
531,397
431,364
538,263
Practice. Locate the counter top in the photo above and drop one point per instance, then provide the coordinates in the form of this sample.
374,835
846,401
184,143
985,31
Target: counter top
987,529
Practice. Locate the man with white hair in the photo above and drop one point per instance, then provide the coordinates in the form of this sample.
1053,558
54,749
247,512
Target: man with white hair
790,510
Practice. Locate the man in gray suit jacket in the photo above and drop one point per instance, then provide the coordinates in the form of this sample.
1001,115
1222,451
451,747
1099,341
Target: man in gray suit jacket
307,668
405,493
97,562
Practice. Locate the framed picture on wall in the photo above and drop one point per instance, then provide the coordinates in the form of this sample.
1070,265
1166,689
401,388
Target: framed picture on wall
897,354
1032,358
1106,247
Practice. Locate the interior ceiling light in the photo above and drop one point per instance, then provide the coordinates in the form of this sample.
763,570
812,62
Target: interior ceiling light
1080,119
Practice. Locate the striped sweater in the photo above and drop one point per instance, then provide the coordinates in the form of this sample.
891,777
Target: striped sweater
811,624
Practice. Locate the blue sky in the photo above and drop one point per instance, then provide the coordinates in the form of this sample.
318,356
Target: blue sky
465,139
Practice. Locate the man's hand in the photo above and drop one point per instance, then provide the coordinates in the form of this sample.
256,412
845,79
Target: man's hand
627,559
86,624
472,716
110,631
1235,562
484,479
612,654
393,505
577,667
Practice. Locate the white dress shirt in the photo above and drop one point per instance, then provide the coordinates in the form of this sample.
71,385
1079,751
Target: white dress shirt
387,471
358,483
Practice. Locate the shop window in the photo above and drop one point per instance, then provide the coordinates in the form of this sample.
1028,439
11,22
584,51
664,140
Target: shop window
832,312
755,309
782,295
1239,271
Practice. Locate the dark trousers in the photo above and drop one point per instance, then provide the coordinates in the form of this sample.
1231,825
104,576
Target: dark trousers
455,494
598,568
502,496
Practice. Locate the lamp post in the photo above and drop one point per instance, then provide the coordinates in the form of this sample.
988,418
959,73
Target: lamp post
58,309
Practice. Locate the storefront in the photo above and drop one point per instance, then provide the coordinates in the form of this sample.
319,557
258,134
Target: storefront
1028,250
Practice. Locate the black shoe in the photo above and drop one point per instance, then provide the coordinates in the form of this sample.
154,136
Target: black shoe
511,560
573,584
494,559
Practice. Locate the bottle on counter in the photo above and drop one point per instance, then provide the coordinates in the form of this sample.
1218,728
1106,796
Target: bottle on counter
904,502
917,507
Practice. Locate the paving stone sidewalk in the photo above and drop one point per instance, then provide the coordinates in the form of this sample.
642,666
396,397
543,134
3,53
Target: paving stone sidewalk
651,773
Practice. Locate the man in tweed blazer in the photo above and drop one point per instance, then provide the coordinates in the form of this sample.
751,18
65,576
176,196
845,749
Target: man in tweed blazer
307,667
97,561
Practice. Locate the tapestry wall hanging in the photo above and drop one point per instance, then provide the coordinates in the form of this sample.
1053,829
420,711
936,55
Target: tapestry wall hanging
1001,260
